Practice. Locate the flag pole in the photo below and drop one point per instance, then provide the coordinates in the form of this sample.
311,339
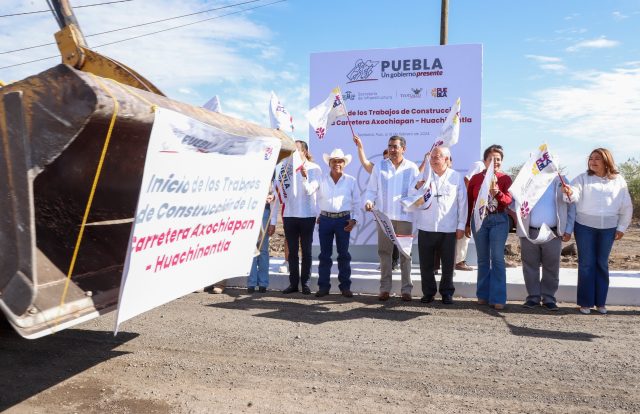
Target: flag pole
564,184
346,111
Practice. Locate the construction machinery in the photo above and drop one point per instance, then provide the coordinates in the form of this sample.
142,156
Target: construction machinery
52,127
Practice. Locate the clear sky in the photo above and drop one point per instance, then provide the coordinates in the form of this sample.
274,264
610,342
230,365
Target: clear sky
562,71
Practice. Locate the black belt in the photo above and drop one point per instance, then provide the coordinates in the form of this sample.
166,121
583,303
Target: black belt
335,215
553,229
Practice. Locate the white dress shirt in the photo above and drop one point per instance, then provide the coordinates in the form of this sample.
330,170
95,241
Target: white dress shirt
602,203
388,185
448,211
341,196
301,202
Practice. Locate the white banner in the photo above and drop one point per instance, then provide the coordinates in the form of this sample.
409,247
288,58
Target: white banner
532,181
199,212
485,203
407,92
402,241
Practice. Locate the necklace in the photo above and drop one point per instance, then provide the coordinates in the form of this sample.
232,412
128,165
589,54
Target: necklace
443,179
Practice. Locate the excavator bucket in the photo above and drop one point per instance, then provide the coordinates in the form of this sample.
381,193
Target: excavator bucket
52,127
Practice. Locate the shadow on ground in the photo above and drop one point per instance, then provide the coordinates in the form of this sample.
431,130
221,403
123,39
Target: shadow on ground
28,367
316,311
309,309
539,333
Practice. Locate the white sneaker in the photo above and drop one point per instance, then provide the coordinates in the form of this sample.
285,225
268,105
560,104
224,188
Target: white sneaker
601,310
283,269
585,311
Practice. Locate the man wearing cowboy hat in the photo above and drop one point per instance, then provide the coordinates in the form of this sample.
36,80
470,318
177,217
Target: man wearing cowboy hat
338,201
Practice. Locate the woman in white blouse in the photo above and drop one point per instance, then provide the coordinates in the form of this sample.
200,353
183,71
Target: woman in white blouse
299,218
603,213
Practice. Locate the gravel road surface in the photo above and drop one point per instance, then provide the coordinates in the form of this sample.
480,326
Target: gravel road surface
270,353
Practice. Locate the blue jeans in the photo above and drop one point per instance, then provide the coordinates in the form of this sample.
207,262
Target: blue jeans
259,275
490,241
594,246
327,229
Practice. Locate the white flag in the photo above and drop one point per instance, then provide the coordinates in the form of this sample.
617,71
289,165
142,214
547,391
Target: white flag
532,181
402,241
420,201
280,118
450,131
213,105
297,161
325,114
485,202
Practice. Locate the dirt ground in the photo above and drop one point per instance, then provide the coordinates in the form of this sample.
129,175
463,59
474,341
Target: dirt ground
625,254
270,353
236,353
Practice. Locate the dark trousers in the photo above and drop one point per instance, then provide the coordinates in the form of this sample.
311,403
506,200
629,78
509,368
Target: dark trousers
299,230
428,243
327,229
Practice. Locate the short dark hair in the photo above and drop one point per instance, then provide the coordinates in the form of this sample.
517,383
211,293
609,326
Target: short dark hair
403,142
493,148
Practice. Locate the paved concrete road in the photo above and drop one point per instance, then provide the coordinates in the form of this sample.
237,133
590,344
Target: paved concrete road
270,353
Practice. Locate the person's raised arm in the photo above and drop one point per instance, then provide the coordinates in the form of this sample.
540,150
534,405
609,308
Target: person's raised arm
366,164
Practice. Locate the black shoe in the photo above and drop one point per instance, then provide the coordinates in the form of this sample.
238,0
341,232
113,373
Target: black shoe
347,293
321,293
426,299
306,290
262,289
530,304
290,289
550,306
251,289
447,299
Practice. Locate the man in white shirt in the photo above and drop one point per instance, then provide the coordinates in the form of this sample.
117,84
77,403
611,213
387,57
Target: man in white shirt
440,224
544,254
389,183
338,201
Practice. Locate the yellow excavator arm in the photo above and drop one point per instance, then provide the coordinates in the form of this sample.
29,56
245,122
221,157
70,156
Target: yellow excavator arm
75,52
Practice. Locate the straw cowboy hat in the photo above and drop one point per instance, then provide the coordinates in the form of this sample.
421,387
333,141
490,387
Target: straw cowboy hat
337,154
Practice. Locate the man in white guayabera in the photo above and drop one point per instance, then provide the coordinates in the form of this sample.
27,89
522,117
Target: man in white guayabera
389,183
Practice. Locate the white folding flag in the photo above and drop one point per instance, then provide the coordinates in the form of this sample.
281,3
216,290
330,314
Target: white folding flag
402,241
485,202
297,161
282,183
450,131
532,181
448,137
420,201
280,118
213,104
285,183
325,114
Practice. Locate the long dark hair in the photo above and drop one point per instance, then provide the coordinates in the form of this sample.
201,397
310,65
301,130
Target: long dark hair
305,147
